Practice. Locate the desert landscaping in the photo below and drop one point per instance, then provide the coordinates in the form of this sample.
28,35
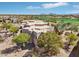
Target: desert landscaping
39,35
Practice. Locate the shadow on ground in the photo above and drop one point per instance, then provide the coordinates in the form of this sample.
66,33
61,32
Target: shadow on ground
29,46
9,50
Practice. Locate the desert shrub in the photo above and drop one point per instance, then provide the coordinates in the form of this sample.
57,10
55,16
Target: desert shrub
50,41
21,38
1,40
72,37
7,25
13,29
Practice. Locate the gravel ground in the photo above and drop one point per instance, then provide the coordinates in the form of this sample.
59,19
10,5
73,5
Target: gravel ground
6,49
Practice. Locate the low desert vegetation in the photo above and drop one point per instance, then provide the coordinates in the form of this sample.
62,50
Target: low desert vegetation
72,38
49,43
21,39
1,39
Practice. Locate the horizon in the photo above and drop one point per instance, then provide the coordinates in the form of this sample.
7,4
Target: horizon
39,8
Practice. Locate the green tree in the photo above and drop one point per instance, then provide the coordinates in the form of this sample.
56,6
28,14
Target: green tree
51,42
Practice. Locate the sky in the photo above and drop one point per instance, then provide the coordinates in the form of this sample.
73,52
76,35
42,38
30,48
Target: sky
39,8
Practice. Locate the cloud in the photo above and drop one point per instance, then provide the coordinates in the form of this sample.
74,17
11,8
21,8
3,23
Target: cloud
48,5
33,7
52,5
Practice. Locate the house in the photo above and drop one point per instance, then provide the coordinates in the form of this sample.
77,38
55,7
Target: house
14,19
37,26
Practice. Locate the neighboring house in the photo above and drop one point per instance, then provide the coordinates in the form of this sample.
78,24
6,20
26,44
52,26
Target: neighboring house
5,19
37,26
14,19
